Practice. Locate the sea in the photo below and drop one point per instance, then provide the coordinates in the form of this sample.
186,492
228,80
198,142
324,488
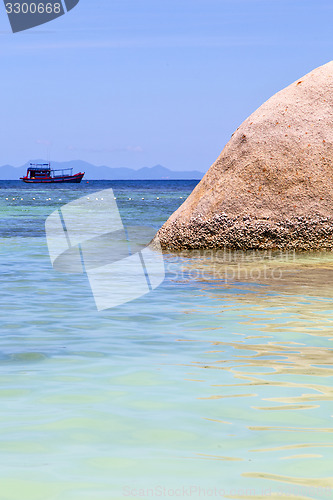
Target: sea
216,384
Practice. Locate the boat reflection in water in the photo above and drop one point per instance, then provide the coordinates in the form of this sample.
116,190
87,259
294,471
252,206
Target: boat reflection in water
42,173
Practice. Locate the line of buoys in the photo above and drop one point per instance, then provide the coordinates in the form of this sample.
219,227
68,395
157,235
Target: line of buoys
88,198
46,199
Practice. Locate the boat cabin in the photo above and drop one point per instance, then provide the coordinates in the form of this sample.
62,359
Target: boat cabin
39,171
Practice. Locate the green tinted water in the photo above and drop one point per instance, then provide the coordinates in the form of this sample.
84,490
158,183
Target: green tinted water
218,384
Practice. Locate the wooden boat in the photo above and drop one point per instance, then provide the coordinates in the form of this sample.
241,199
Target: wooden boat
42,173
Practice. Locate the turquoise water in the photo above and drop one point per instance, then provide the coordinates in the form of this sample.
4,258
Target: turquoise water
218,384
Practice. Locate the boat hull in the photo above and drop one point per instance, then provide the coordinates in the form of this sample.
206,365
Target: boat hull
55,180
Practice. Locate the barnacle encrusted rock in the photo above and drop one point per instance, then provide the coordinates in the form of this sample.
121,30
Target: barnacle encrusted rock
272,185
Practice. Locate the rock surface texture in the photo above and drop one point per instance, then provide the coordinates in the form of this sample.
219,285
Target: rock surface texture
272,185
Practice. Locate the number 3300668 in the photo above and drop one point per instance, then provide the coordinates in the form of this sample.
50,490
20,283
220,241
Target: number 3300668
33,8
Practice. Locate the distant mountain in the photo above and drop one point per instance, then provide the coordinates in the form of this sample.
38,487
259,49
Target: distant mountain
8,172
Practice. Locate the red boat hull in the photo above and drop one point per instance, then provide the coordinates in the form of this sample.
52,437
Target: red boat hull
52,180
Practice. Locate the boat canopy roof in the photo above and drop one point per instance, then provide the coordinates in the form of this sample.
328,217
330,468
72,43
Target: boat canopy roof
46,167
39,166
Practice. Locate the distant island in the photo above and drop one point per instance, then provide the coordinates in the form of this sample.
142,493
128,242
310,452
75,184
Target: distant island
93,172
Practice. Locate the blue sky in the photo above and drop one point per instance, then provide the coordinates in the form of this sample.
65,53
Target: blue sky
133,83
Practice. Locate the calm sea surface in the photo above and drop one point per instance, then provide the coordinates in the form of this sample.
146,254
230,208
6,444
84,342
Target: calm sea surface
218,384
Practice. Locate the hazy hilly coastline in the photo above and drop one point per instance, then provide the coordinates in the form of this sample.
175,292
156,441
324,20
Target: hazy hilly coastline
158,172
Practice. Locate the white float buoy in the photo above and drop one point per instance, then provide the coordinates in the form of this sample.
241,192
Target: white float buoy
157,198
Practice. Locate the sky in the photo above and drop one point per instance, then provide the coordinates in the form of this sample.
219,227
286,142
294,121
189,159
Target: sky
135,83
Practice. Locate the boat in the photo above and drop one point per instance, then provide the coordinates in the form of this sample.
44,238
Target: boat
39,173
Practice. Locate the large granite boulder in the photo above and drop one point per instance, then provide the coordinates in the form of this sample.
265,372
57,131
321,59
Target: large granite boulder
272,185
